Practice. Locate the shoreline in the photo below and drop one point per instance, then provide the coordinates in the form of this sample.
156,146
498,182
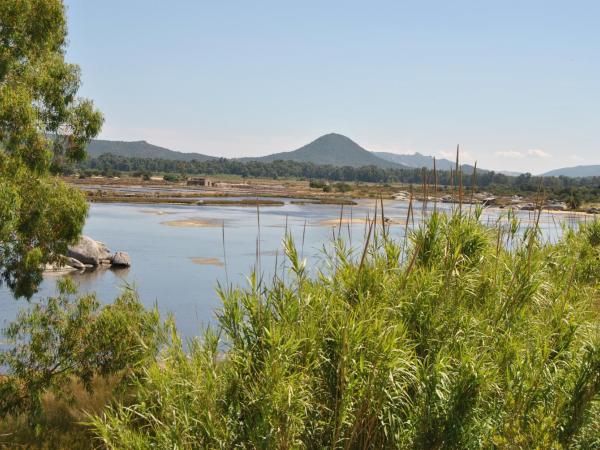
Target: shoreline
263,192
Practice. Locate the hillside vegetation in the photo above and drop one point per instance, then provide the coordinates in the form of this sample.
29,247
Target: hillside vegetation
140,149
477,337
331,149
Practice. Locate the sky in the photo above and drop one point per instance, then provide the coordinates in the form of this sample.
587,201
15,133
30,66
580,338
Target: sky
515,83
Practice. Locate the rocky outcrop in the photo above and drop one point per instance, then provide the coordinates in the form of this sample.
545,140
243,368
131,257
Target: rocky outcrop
121,259
88,252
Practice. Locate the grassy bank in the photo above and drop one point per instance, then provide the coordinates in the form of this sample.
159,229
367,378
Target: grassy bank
61,425
462,336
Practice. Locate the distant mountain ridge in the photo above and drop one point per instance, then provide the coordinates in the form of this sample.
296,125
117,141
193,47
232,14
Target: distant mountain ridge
575,172
418,160
331,149
140,149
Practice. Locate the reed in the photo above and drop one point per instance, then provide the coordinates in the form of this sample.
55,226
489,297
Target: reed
482,337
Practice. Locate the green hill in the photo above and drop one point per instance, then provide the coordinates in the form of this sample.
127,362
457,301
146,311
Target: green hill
331,149
140,149
575,172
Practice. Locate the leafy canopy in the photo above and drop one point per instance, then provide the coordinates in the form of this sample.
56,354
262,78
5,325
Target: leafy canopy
72,338
41,121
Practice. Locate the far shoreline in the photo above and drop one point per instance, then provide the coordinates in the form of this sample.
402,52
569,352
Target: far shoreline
273,193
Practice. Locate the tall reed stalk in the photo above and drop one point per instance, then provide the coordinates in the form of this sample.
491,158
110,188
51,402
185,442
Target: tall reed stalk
467,343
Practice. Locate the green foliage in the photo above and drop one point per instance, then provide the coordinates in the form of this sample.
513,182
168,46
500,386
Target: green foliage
71,338
473,337
557,188
172,178
40,215
342,187
317,184
140,149
574,200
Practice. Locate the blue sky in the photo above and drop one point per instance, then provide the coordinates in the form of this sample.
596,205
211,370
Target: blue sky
516,83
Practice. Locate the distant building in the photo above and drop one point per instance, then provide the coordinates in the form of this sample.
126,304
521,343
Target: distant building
200,182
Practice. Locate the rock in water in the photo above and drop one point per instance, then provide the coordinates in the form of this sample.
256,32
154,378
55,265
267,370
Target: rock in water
121,259
74,263
105,253
87,251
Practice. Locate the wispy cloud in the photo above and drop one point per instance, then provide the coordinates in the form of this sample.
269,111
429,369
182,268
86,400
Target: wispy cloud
538,153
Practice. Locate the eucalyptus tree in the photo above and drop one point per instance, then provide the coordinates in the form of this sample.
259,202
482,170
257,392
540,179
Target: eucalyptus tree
41,120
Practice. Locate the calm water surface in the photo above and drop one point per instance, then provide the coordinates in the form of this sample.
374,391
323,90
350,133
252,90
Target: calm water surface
165,259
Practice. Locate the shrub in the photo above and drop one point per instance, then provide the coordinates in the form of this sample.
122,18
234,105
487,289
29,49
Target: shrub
464,337
71,338
343,187
574,200
172,178
142,174
111,173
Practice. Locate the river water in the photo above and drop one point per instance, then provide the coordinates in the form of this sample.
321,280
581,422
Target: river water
180,253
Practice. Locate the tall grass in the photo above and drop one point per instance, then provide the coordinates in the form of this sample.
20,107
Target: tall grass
61,424
479,337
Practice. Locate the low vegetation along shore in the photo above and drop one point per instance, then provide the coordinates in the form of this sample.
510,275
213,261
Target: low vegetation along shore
576,192
463,336
253,192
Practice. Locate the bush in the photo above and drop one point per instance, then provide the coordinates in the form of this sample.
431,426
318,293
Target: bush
145,175
457,342
71,338
317,184
343,187
111,173
574,200
171,178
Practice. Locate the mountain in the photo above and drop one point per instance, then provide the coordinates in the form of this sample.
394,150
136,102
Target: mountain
417,160
333,149
140,149
574,172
